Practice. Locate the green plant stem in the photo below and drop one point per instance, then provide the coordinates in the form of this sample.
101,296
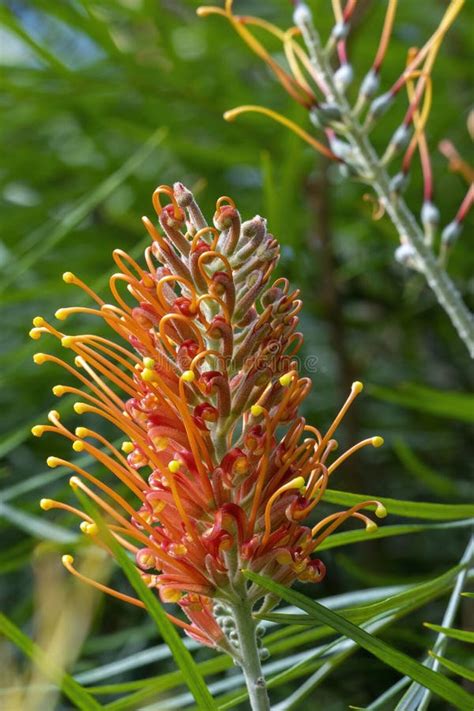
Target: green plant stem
249,657
374,173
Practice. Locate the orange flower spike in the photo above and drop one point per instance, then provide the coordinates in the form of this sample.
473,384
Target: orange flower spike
218,467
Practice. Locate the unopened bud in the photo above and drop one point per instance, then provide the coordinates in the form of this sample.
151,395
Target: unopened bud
343,77
340,31
429,215
405,254
400,138
450,233
399,182
370,84
380,105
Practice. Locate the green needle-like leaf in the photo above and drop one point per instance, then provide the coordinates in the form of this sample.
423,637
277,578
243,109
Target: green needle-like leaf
445,688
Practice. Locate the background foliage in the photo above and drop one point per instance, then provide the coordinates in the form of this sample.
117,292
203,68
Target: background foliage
104,100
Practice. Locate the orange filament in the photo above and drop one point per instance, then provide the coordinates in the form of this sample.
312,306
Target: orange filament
386,33
355,390
374,441
337,519
279,118
199,234
70,278
165,190
298,484
224,200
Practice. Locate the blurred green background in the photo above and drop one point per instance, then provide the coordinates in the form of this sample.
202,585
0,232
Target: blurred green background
101,102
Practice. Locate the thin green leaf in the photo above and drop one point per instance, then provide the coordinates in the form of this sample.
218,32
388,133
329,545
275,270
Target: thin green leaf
424,591
346,537
74,691
36,526
458,669
463,635
454,405
409,509
442,686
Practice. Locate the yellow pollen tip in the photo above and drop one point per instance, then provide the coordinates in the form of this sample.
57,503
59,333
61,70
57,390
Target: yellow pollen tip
67,341
67,560
52,462
81,431
357,387
371,526
174,466
149,363
78,445
54,415
230,115
35,334
90,529
256,410
58,390
74,482
68,277
80,408
39,358
285,380
127,447
188,376
37,430
38,321
46,504
61,314
148,375
79,362
380,511
377,441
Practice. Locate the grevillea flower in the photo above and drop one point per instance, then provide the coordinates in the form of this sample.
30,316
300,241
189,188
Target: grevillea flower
216,471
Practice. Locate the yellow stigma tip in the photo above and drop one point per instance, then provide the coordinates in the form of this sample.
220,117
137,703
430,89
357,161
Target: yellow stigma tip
188,376
149,363
371,526
46,504
78,445
174,466
127,447
357,387
377,441
285,380
52,462
58,390
39,358
37,430
81,431
148,375
54,415
256,410
229,115
67,341
68,277
74,482
80,408
380,511
35,334
38,321
67,560
61,314
83,526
